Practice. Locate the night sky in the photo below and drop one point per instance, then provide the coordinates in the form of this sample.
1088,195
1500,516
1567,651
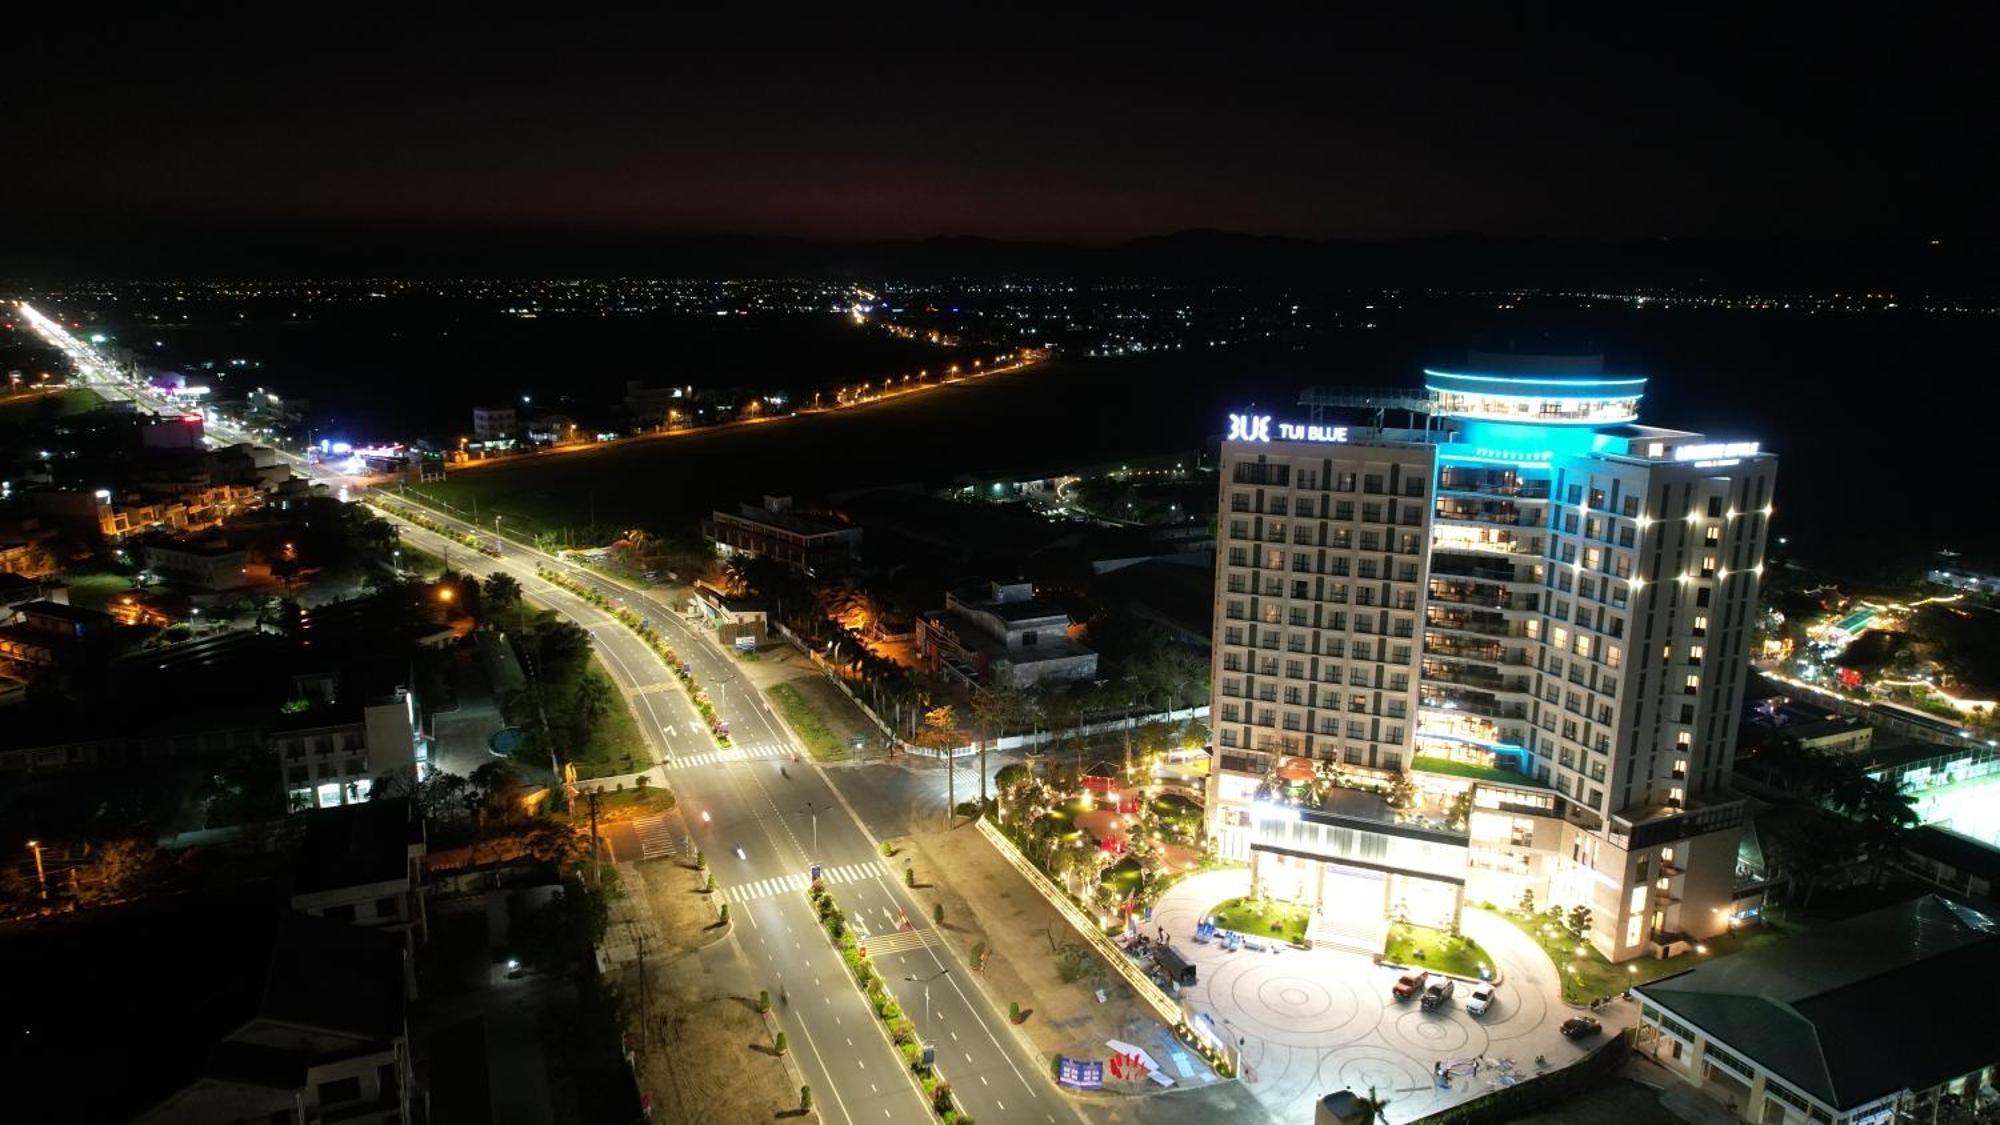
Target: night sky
1002,123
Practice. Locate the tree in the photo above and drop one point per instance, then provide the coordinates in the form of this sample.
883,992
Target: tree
499,790
123,869
1579,921
993,711
502,592
941,733
1402,791
589,705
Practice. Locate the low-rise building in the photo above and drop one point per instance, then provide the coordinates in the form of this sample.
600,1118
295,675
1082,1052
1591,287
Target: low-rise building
736,621
1001,635
238,1010
41,633
364,864
808,542
208,564
1840,1024
342,733
494,423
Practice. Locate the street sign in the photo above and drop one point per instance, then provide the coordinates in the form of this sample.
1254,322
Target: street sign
930,1054
814,878
1080,1074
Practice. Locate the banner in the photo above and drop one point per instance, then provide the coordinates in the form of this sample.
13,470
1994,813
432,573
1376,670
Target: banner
1080,1074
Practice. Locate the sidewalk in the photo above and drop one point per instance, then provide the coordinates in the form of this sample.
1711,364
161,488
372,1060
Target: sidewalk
1022,933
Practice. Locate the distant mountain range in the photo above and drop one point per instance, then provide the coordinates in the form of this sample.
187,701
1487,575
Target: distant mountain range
46,251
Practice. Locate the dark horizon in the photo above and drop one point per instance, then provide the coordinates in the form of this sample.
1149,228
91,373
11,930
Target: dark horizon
1075,130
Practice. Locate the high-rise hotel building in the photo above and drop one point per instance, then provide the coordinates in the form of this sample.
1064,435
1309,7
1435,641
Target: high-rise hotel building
1537,608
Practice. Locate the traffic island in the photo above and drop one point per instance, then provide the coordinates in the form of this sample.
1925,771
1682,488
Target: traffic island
902,1033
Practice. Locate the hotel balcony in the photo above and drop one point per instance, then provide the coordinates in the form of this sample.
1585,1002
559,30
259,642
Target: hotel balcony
1499,513
1487,707
1487,483
1464,648
1485,623
1469,592
1472,676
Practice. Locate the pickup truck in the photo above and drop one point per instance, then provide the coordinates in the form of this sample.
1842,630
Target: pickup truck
1408,985
1437,992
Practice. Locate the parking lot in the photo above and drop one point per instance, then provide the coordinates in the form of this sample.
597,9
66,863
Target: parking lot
1314,1021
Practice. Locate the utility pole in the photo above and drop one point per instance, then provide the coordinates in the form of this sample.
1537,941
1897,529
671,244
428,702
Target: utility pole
596,863
645,1009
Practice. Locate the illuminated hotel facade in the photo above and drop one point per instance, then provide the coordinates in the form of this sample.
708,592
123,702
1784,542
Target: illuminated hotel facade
1537,608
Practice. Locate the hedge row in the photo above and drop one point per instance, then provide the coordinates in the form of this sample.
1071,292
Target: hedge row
637,624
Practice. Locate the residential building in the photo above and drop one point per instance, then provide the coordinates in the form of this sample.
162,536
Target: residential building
208,564
363,864
1529,601
189,507
808,542
736,621
343,732
238,1011
1970,581
1840,1024
999,634
42,633
653,407
494,423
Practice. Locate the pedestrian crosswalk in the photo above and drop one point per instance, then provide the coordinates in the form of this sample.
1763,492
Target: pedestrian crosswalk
797,883
655,838
901,941
742,752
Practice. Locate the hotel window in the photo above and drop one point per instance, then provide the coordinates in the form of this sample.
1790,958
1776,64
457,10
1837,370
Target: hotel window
1700,625
1239,502
1343,510
1372,483
1613,656
1239,529
1275,532
1239,556
1274,559
1343,482
1694,654
1575,494
1692,684
1233,635
1713,535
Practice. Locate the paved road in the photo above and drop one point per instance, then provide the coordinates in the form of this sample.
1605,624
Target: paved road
783,816
759,800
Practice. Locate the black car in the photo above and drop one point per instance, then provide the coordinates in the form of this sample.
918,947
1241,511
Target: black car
1576,1027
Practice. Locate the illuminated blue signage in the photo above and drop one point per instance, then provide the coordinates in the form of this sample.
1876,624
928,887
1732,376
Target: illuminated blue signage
1257,427
1249,427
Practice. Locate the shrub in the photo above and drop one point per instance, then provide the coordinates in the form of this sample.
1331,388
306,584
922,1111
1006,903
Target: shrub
708,883
902,1030
911,1053
805,1097
892,1010
888,849
725,914
781,1044
909,876
1014,1011
764,1000
937,913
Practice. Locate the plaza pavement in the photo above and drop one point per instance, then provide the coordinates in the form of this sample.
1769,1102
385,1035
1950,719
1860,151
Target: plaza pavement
1314,1021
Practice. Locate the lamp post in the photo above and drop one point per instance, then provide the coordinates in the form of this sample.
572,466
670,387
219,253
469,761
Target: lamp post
812,810
41,875
926,982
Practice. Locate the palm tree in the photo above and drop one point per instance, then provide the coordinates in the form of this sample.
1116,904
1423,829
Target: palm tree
591,703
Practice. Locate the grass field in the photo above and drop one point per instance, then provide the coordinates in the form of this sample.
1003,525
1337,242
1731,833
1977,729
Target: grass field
1424,947
95,589
71,400
615,746
1262,917
1587,976
825,745
885,443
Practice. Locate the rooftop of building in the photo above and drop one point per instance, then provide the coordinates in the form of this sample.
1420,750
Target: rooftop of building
62,611
1848,1013
787,518
158,985
205,548
356,845
1010,602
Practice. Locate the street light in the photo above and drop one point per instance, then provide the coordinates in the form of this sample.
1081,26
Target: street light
926,982
812,810
41,875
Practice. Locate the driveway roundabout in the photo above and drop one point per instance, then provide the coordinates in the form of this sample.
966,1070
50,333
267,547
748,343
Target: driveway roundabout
1311,1021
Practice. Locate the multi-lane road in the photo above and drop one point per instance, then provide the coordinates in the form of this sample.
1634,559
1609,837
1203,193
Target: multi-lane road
769,819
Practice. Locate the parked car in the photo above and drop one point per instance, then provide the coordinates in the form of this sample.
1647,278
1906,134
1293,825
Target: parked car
1437,991
1577,1027
1481,998
1407,985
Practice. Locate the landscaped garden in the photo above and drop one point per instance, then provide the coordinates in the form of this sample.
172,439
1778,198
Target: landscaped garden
1263,917
1587,976
1426,948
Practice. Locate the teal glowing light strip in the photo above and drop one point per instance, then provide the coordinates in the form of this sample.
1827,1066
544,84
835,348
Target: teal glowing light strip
1549,380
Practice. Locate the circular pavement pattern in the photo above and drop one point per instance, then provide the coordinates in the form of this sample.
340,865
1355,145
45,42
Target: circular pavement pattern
1433,1033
